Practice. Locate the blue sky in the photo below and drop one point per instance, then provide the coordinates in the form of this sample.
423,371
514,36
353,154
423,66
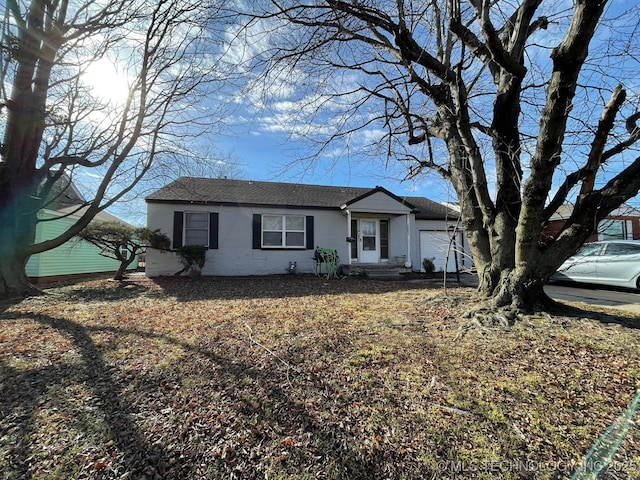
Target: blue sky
267,155
275,157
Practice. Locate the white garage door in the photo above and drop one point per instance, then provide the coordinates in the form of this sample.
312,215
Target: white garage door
434,244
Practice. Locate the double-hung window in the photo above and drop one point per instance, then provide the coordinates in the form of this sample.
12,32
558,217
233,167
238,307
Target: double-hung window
283,231
196,228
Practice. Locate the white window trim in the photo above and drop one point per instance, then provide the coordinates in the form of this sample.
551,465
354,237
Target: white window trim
184,228
284,232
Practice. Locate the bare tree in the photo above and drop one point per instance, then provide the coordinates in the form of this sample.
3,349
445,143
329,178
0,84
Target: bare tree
58,125
499,98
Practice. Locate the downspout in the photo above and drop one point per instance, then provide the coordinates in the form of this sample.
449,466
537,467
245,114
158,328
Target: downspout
349,234
408,238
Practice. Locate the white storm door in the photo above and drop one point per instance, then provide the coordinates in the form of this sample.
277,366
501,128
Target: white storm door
369,241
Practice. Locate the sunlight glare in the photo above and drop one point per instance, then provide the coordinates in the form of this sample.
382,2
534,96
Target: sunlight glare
106,82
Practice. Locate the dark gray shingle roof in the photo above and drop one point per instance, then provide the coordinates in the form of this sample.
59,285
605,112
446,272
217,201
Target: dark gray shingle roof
250,192
430,210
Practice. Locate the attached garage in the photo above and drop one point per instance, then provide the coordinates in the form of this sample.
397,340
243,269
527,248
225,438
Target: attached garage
436,245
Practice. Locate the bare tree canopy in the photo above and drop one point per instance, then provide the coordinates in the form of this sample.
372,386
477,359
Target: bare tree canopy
521,106
95,92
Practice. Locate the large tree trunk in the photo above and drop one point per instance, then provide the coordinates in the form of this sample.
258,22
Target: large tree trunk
13,258
516,294
18,220
13,278
520,293
19,177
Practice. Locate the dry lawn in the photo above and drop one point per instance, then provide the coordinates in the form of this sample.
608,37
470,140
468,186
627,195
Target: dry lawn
296,377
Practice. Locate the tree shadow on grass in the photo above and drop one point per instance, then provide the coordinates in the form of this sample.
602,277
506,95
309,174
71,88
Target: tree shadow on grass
86,291
185,289
564,311
26,394
624,319
224,427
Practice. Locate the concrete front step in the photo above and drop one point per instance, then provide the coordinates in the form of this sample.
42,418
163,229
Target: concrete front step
382,273
375,270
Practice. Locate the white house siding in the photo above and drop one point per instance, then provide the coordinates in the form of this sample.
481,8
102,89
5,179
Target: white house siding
235,254
398,239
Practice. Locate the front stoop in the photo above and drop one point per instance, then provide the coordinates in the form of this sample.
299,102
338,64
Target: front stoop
375,270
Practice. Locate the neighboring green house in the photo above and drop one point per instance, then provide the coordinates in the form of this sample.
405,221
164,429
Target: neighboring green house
74,258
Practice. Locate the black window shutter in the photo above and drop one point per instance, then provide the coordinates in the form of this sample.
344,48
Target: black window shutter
310,240
178,219
213,230
257,231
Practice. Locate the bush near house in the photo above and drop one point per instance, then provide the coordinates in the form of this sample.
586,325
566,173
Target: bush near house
428,265
192,258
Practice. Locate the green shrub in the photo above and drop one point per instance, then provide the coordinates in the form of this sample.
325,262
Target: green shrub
192,256
428,265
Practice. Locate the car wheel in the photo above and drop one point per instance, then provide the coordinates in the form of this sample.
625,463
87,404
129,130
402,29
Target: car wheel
638,283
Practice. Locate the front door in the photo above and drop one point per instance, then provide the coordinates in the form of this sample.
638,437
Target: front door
369,241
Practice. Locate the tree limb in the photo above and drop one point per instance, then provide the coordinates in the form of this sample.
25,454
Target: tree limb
601,135
493,42
634,136
577,176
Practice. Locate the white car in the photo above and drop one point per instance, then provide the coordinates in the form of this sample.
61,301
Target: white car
612,262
